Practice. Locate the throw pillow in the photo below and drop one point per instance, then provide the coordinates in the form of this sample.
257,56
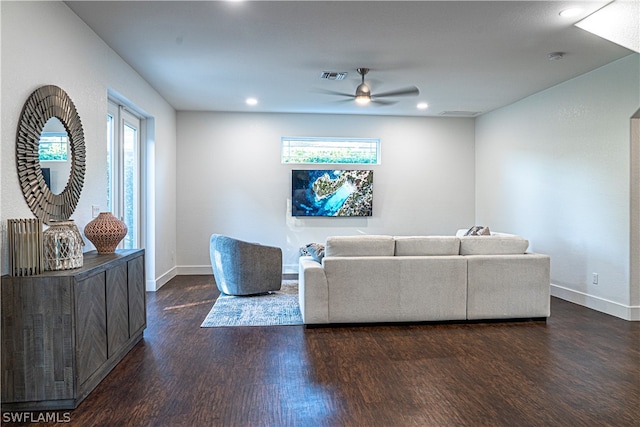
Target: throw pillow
478,230
314,250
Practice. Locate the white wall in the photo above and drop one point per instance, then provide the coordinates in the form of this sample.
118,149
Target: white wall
77,60
231,180
555,167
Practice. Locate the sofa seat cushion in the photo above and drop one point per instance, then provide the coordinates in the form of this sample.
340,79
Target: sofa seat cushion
496,244
427,245
355,246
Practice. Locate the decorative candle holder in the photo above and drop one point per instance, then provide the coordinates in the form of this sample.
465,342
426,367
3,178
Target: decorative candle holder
62,243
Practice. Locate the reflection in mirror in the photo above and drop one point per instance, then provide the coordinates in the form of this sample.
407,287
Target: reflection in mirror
54,155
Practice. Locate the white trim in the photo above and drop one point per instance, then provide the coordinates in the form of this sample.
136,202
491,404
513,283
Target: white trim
596,303
191,270
163,279
290,269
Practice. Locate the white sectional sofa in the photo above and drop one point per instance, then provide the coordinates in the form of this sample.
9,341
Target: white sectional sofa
370,279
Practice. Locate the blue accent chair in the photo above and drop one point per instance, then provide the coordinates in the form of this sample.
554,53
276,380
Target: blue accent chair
242,268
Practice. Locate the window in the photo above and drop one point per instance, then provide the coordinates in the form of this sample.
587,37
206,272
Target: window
124,171
331,150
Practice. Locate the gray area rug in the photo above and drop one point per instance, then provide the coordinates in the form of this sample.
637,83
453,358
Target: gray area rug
277,308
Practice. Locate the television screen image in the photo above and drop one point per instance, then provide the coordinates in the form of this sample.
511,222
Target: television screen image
331,192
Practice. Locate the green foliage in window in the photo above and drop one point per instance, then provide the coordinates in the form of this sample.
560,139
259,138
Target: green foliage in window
50,151
53,146
319,150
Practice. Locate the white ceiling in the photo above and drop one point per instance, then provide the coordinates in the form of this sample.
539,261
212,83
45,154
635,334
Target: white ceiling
471,56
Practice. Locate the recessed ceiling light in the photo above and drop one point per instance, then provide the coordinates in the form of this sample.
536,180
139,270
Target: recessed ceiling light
252,101
571,12
422,106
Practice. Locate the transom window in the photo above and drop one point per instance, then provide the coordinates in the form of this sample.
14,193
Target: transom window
330,150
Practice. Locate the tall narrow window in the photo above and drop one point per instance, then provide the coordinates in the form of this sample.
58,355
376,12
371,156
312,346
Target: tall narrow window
124,171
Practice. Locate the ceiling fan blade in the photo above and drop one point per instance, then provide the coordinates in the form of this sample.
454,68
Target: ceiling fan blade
411,90
383,102
333,92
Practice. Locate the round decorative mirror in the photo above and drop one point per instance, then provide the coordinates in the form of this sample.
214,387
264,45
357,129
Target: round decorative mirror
46,103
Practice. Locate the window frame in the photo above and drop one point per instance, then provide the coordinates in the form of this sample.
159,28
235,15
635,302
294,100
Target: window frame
118,117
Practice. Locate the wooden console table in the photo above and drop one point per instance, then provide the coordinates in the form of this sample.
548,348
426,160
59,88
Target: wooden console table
64,331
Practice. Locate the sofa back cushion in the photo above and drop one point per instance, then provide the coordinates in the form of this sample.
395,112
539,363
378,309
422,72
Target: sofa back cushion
496,244
369,245
427,245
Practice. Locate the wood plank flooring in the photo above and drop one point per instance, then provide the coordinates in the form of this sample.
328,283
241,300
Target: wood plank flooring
580,368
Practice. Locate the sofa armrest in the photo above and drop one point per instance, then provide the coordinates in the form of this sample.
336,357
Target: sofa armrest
313,291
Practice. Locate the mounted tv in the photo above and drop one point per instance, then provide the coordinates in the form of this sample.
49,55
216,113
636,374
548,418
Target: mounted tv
331,192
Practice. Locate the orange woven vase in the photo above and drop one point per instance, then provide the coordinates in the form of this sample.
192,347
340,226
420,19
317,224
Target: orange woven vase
105,232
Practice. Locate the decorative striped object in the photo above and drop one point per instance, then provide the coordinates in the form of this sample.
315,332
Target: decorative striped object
25,247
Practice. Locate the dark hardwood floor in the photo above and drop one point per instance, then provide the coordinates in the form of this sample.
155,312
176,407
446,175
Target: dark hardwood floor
580,368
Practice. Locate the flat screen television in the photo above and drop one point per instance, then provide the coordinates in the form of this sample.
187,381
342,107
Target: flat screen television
329,192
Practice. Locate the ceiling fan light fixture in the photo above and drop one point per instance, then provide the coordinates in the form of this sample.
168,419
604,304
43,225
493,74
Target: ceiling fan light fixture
363,99
363,94
363,90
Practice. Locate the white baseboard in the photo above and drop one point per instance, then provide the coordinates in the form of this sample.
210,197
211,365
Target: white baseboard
290,269
154,285
596,303
191,270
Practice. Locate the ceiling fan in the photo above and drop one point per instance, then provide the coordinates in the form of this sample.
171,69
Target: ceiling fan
364,96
